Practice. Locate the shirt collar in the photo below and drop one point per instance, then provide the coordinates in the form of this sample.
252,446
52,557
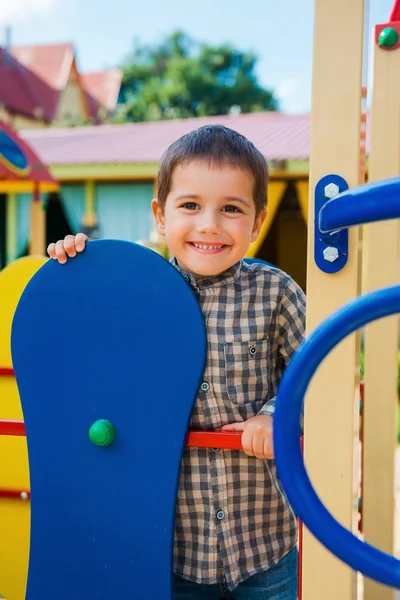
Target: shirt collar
228,276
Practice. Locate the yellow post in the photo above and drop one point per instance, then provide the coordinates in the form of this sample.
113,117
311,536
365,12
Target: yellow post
276,190
38,225
11,249
303,192
381,270
330,409
90,216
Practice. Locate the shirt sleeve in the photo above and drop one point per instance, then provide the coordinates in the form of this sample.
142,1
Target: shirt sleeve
290,331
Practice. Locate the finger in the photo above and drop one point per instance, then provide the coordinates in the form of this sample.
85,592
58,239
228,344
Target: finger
268,448
80,241
60,252
51,250
258,444
69,246
233,427
247,441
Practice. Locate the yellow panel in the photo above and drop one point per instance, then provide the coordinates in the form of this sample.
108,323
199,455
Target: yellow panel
276,189
104,172
25,187
14,471
302,189
14,548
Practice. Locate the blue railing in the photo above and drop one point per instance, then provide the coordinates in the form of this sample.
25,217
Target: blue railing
365,204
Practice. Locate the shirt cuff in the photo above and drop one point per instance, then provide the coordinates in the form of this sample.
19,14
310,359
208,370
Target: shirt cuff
268,408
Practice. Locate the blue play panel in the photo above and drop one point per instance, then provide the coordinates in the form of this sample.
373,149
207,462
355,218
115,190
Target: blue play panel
108,352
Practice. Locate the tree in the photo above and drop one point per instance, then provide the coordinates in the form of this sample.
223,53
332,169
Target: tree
182,78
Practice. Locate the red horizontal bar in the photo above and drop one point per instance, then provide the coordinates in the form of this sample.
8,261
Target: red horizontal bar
230,440
6,372
15,494
12,427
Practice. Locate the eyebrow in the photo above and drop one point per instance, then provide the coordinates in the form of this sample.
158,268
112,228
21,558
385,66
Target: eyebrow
228,198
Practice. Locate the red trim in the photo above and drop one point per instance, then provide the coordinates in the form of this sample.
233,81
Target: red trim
6,372
394,25
15,494
395,14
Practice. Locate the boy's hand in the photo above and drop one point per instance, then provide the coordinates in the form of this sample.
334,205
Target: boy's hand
70,245
257,437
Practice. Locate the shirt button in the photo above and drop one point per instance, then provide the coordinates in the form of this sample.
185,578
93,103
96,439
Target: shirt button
220,515
252,350
186,278
204,386
215,449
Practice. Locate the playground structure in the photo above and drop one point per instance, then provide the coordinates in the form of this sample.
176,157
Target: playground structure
332,462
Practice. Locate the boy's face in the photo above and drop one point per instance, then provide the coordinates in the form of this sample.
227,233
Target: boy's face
209,217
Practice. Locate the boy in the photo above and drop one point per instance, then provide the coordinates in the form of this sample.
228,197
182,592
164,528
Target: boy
235,533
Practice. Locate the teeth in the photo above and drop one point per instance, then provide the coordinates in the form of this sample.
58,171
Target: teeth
204,247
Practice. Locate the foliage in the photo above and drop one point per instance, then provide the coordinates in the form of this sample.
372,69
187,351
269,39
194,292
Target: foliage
181,78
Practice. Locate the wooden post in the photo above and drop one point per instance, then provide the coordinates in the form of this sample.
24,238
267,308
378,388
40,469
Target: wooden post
38,224
331,421
381,270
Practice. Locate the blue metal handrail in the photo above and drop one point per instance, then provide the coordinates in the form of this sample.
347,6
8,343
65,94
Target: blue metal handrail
366,204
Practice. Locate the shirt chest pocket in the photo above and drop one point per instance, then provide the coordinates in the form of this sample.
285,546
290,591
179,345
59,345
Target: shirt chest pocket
247,371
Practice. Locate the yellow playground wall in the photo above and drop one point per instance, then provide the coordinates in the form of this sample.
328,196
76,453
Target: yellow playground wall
14,471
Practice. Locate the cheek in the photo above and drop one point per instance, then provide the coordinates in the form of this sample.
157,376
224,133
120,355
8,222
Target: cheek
178,226
242,229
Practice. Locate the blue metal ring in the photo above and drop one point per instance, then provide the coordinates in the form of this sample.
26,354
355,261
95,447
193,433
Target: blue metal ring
359,555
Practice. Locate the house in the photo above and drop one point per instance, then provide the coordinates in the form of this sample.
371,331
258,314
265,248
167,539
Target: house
42,86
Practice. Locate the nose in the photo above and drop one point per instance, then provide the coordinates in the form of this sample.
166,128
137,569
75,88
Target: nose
208,221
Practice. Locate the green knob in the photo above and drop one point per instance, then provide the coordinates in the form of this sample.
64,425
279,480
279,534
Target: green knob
102,433
388,37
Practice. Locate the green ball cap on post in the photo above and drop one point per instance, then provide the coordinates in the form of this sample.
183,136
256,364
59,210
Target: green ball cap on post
102,433
388,37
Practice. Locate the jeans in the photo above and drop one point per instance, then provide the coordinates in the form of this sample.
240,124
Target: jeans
278,583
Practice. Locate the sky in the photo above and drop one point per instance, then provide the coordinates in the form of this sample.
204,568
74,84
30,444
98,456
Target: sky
280,32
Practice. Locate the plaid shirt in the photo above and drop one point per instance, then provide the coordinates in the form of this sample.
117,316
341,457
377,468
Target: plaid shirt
232,518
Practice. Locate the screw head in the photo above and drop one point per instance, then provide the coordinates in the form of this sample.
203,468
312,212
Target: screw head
331,190
331,254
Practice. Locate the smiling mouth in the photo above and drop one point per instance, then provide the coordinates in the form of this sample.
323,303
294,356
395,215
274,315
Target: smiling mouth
208,248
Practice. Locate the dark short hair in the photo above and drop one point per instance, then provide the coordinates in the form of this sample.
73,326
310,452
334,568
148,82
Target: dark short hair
219,146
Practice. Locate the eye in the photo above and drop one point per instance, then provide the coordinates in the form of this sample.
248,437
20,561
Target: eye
232,209
190,205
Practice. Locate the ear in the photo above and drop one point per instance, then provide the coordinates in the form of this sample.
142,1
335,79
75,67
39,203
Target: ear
158,216
257,225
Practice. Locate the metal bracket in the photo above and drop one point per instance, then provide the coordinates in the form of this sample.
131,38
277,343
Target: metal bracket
330,249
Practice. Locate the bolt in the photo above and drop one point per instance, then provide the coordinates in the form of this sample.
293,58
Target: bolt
331,253
331,190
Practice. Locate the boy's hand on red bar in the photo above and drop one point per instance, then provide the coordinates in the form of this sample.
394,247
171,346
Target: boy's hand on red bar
257,438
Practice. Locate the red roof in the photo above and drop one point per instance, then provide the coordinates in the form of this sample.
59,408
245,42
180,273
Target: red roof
50,62
18,160
277,136
21,91
102,88
33,77
48,68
